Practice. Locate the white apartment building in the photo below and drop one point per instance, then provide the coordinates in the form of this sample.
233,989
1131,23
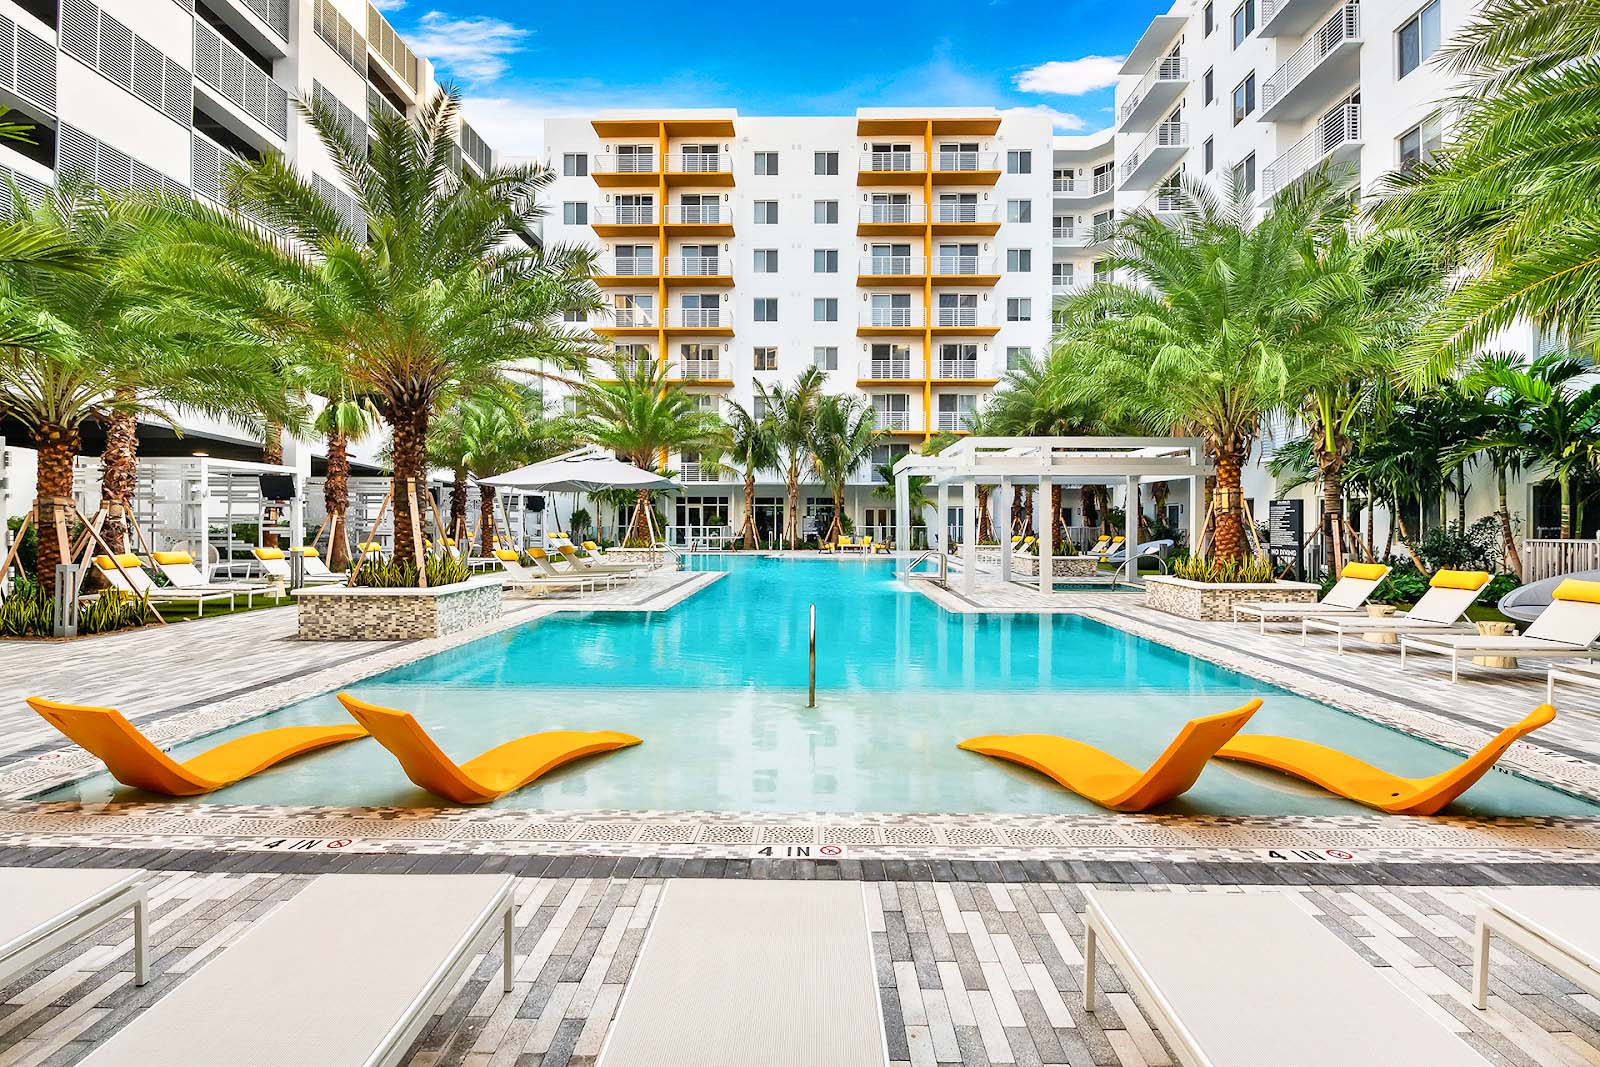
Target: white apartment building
161,94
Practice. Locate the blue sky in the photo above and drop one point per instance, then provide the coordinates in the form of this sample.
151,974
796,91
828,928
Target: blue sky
518,61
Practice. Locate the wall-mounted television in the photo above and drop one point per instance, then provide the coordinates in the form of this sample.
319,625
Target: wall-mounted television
277,486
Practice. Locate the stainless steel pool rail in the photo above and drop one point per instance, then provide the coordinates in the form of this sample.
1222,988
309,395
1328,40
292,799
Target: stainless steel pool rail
942,575
811,697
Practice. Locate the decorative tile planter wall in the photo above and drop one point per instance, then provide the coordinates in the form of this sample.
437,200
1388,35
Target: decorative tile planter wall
1214,602
334,613
1060,566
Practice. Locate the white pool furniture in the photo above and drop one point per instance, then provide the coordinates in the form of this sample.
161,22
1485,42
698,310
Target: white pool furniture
317,571
348,971
46,907
1578,672
519,576
179,569
1255,980
1568,627
1558,926
275,565
126,575
1349,594
1440,609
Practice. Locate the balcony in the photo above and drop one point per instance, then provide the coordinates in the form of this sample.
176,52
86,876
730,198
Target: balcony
959,369
893,369
892,168
1289,18
1335,142
975,270
226,71
625,270
1327,64
699,168
1154,96
960,220
700,220
961,320
1154,156
703,371
626,221
714,320
889,322
891,270
630,170
699,270
966,168
629,322
380,106
892,220
892,421
1082,188
954,421
700,471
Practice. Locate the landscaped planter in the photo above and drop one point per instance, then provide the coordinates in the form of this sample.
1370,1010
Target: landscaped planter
1214,601
335,613
1060,566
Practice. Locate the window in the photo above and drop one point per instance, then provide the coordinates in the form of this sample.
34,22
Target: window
825,309
1019,260
825,212
571,315
1244,98
825,162
1017,355
1061,275
826,357
1019,161
767,163
766,212
1420,143
825,261
1019,210
575,164
1208,86
1019,309
575,213
1419,38
1208,156
1208,18
1244,175
766,261
766,356
766,309
1244,21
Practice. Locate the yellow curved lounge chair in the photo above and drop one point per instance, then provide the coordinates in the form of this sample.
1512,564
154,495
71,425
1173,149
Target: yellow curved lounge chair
497,772
1341,773
133,760
1106,780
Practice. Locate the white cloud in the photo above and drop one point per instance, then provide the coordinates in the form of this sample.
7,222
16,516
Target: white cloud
514,127
388,5
1060,121
1070,77
474,49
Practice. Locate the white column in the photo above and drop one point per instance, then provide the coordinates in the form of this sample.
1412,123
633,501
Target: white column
969,538
203,499
1130,523
939,532
902,512
1197,521
1004,528
1044,523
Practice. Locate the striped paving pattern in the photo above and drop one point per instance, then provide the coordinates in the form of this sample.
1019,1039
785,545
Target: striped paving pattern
968,973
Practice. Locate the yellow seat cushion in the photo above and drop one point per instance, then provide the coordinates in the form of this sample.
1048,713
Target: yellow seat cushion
127,560
1577,589
308,552
1460,580
591,546
370,546
172,559
1367,571
537,553
268,553
509,557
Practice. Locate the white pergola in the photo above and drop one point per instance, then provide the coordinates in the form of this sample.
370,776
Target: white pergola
1007,462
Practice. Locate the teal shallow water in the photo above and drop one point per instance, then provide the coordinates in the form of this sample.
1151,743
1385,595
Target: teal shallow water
716,688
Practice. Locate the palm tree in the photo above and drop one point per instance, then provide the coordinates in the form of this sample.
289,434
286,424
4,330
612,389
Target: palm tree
434,296
640,415
792,411
843,436
752,446
342,422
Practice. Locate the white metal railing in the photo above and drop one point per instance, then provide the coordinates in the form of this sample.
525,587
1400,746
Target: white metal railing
958,368
894,213
380,106
892,317
699,538
1165,135
891,265
1067,185
1087,185
627,163
963,213
698,318
697,266
701,370
1343,27
1062,285
698,214
1550,556
626,215
1102,277
953,421
1339,127
946,316
1171,70
222,66
695,471
888,162
1102,181
963,265
702,162
1069,234
891,420
962,160
633,317
629,266
895,368
1163,201
1101,232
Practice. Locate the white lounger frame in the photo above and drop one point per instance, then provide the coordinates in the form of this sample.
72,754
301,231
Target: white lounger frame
81,917
1566,960
1411,643
1585,674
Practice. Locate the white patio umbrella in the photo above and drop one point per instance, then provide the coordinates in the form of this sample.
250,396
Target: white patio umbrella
584,470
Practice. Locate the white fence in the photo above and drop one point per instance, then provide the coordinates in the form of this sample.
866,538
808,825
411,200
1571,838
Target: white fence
1548,557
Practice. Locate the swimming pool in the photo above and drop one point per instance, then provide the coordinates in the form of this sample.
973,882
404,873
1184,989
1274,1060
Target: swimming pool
716,687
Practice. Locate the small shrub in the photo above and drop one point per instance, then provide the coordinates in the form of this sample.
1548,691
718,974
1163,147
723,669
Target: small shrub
27,609
1475,547
395,574
1248,569
1498,586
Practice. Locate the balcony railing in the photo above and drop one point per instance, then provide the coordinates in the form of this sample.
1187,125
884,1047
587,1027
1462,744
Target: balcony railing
958,368
891,420
963,213
629,266
895,368
1163,202
1070,234
702,162
224,68
1086,185
954,421
1171,70
1062,285
947,316
697,266
634,318
625,215
889,162
698,318
628,163
1336,129
698,214
1343,27
1174,135
894,214
891,265
959,161
702,370
892,317
380,106
971,265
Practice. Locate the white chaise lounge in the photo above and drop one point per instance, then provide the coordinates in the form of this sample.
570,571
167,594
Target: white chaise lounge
179,569
1349,594
1440,609
126,575
1254,980
1556,925
1568,627
348,971
46,907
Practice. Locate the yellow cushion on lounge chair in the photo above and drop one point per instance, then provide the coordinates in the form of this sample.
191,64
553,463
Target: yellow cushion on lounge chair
370,546
509,557
538,553
172,558
591,546
309,553
1577,589
268,553
127,560
1460,580
1368,571
1116,540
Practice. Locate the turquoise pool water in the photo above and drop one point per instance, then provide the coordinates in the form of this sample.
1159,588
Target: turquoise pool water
716,687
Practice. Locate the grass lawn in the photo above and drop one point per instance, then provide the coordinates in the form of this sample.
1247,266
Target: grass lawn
216,609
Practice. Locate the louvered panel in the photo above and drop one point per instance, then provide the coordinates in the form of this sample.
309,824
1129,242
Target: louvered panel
148,67
206,164
30,189
230,75
143,178
277,109
36,69
178,93
115,168
116,51
77,153
207,53
8,52
80,22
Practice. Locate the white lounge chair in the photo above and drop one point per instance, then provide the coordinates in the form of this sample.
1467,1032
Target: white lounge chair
317,571
581,565
127,575
519,576
348,971
1558,926
1449,595
179,569
1254,980
1356,583
1568,627
275,564
1581,672
47,907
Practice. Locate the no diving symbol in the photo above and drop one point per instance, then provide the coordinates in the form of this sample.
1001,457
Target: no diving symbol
830,850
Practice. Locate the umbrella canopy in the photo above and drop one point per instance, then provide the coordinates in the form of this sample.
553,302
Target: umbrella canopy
583,471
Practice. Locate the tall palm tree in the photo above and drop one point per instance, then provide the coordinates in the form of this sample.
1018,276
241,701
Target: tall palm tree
752,446
639,415
434,295
342,422
842,439
792,411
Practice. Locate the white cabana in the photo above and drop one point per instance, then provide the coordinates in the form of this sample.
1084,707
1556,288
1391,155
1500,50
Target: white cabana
1007,462
583,470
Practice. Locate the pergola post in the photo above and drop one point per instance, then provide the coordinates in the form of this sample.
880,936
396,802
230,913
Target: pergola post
1005,528
1130,526
1044,523
902,512
942,523
1197,520
969,537
202,494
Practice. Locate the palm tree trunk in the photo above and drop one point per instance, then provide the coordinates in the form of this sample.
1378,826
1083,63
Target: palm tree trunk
57,445
1333,510
119,471
1160,491
409,447
486,539
1405,539
336,499
639,528
1564,480
750,539
1058,531
985,523
458,505
791,508
1507,538
272,453
836,528
1230,539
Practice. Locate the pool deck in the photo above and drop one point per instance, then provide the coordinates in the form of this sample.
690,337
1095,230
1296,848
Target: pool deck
974,920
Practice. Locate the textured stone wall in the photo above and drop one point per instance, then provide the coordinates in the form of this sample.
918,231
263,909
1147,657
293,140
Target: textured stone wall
1214,603
1060,566
403,615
